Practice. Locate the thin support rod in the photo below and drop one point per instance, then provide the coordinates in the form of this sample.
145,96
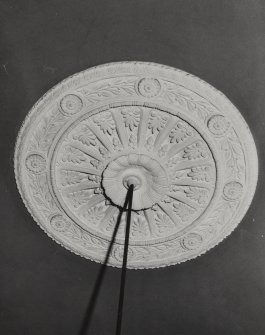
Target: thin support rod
94,297
124,263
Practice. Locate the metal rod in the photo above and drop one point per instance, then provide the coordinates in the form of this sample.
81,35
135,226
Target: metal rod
94,297
124,263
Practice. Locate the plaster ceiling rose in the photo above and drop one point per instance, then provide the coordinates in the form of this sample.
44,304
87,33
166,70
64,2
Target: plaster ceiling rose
182,143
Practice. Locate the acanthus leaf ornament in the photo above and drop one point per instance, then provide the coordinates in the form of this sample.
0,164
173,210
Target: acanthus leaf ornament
183,145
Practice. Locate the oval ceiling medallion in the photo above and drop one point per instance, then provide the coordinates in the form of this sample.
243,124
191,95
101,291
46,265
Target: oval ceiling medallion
182,143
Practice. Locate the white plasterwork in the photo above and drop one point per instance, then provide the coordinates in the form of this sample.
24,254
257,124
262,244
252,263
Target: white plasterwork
181,142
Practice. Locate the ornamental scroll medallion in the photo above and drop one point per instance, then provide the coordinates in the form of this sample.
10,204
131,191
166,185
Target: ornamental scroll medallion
181,142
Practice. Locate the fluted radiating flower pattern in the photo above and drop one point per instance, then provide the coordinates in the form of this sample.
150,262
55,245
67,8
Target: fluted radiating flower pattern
166,159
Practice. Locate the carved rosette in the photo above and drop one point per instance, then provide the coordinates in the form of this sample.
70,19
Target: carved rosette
182,144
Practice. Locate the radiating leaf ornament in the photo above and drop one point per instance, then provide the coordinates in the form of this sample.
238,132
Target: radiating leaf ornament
183,211
139,228
200,195
131,118
105,123
195,151
73,155
179,133
86,137
156,122
94,214
71,177
201,173
163,222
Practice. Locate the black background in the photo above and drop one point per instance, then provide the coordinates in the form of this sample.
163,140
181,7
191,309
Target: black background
44,289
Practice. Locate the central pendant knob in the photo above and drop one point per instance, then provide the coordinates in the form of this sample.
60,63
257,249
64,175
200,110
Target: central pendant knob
132,180
146,174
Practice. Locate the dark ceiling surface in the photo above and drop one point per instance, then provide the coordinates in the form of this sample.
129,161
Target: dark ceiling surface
45,289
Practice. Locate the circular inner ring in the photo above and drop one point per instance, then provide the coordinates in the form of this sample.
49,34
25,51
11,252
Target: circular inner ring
164,156
145,173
